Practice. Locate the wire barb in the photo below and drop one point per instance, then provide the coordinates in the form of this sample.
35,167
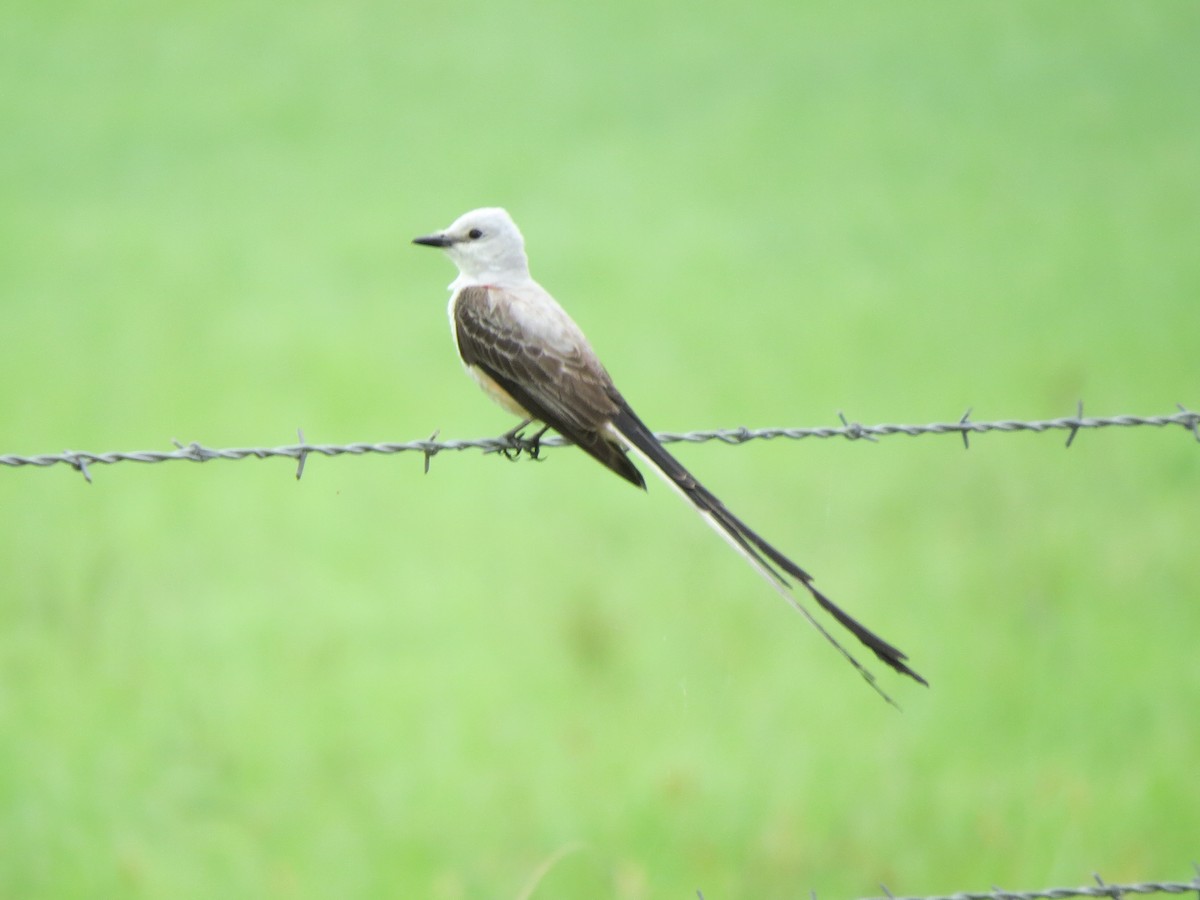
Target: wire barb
1075,425
77,460
1113,890
854,430
1193,421
302,455
431,449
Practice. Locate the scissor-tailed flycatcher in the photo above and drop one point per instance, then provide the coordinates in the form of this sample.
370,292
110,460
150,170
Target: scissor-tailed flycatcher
531,358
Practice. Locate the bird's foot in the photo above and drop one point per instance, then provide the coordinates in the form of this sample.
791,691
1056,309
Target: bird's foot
519,444
533,446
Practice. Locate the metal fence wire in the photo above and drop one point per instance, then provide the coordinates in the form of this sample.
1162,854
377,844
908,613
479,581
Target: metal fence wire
1099,889
514,444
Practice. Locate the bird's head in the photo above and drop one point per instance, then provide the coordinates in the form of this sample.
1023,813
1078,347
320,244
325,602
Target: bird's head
485,244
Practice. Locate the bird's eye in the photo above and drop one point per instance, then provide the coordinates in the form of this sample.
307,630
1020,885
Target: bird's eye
474,234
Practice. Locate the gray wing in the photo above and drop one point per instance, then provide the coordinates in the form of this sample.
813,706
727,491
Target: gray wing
566,389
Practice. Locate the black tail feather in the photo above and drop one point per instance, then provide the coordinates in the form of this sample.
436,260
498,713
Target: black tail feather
636,432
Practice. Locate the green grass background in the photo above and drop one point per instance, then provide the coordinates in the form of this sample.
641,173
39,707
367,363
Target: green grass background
216,682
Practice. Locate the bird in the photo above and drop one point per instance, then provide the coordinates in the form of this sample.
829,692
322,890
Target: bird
529,356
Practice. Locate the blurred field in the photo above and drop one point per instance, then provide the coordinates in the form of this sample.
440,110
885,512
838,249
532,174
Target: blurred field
216,682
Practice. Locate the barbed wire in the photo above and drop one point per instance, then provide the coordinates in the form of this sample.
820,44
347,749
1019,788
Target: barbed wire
1099,889
513,444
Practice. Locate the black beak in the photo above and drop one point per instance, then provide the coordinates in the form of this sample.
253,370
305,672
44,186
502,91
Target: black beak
433,240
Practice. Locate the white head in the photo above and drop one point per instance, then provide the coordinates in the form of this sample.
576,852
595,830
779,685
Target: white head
485,244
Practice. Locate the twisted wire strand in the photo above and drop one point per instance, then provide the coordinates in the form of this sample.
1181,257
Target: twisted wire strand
1099,889
515,444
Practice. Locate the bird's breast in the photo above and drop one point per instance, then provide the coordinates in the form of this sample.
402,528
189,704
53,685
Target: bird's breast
496,392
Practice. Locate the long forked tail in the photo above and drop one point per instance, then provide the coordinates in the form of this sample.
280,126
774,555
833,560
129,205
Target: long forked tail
630,430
